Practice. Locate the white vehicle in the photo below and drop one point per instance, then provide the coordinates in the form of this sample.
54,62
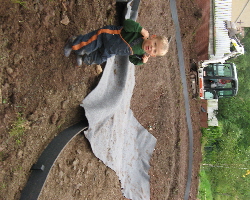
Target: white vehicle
217,80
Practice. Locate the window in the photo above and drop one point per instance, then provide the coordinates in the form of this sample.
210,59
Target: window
225,93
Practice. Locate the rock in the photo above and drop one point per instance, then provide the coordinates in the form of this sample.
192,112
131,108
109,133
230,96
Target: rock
79,151
10,71
60,166
20,154
17,58
78,185
32,117
98,69
65,104
75,162
109,7
54,118
65,20
61,174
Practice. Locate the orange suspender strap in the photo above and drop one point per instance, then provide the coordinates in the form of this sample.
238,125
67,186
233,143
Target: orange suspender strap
128,45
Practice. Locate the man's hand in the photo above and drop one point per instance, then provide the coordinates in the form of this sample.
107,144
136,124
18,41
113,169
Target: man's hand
145,58
145,33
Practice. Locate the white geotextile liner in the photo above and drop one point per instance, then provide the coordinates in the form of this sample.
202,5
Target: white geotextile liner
116,137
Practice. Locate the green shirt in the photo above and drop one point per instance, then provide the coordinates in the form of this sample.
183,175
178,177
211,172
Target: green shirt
131,31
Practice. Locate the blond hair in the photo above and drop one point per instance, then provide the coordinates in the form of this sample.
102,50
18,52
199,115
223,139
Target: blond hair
165,44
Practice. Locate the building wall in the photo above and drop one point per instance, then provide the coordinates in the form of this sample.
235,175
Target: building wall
222,12
212,107
241,12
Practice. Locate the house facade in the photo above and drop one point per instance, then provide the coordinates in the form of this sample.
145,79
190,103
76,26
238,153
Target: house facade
219,41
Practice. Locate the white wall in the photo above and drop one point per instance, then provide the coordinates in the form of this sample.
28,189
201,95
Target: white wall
212,107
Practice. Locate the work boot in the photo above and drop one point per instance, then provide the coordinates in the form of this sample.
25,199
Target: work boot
79,60
68,46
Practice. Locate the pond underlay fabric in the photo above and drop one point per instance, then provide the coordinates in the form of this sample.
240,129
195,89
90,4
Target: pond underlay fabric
115,135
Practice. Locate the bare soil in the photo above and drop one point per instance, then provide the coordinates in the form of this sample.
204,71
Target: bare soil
42,90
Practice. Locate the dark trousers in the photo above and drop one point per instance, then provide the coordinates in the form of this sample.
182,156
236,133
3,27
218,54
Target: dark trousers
99,45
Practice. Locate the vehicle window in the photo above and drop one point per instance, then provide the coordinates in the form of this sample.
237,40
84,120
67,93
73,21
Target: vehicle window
217,69
224,70
225,93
